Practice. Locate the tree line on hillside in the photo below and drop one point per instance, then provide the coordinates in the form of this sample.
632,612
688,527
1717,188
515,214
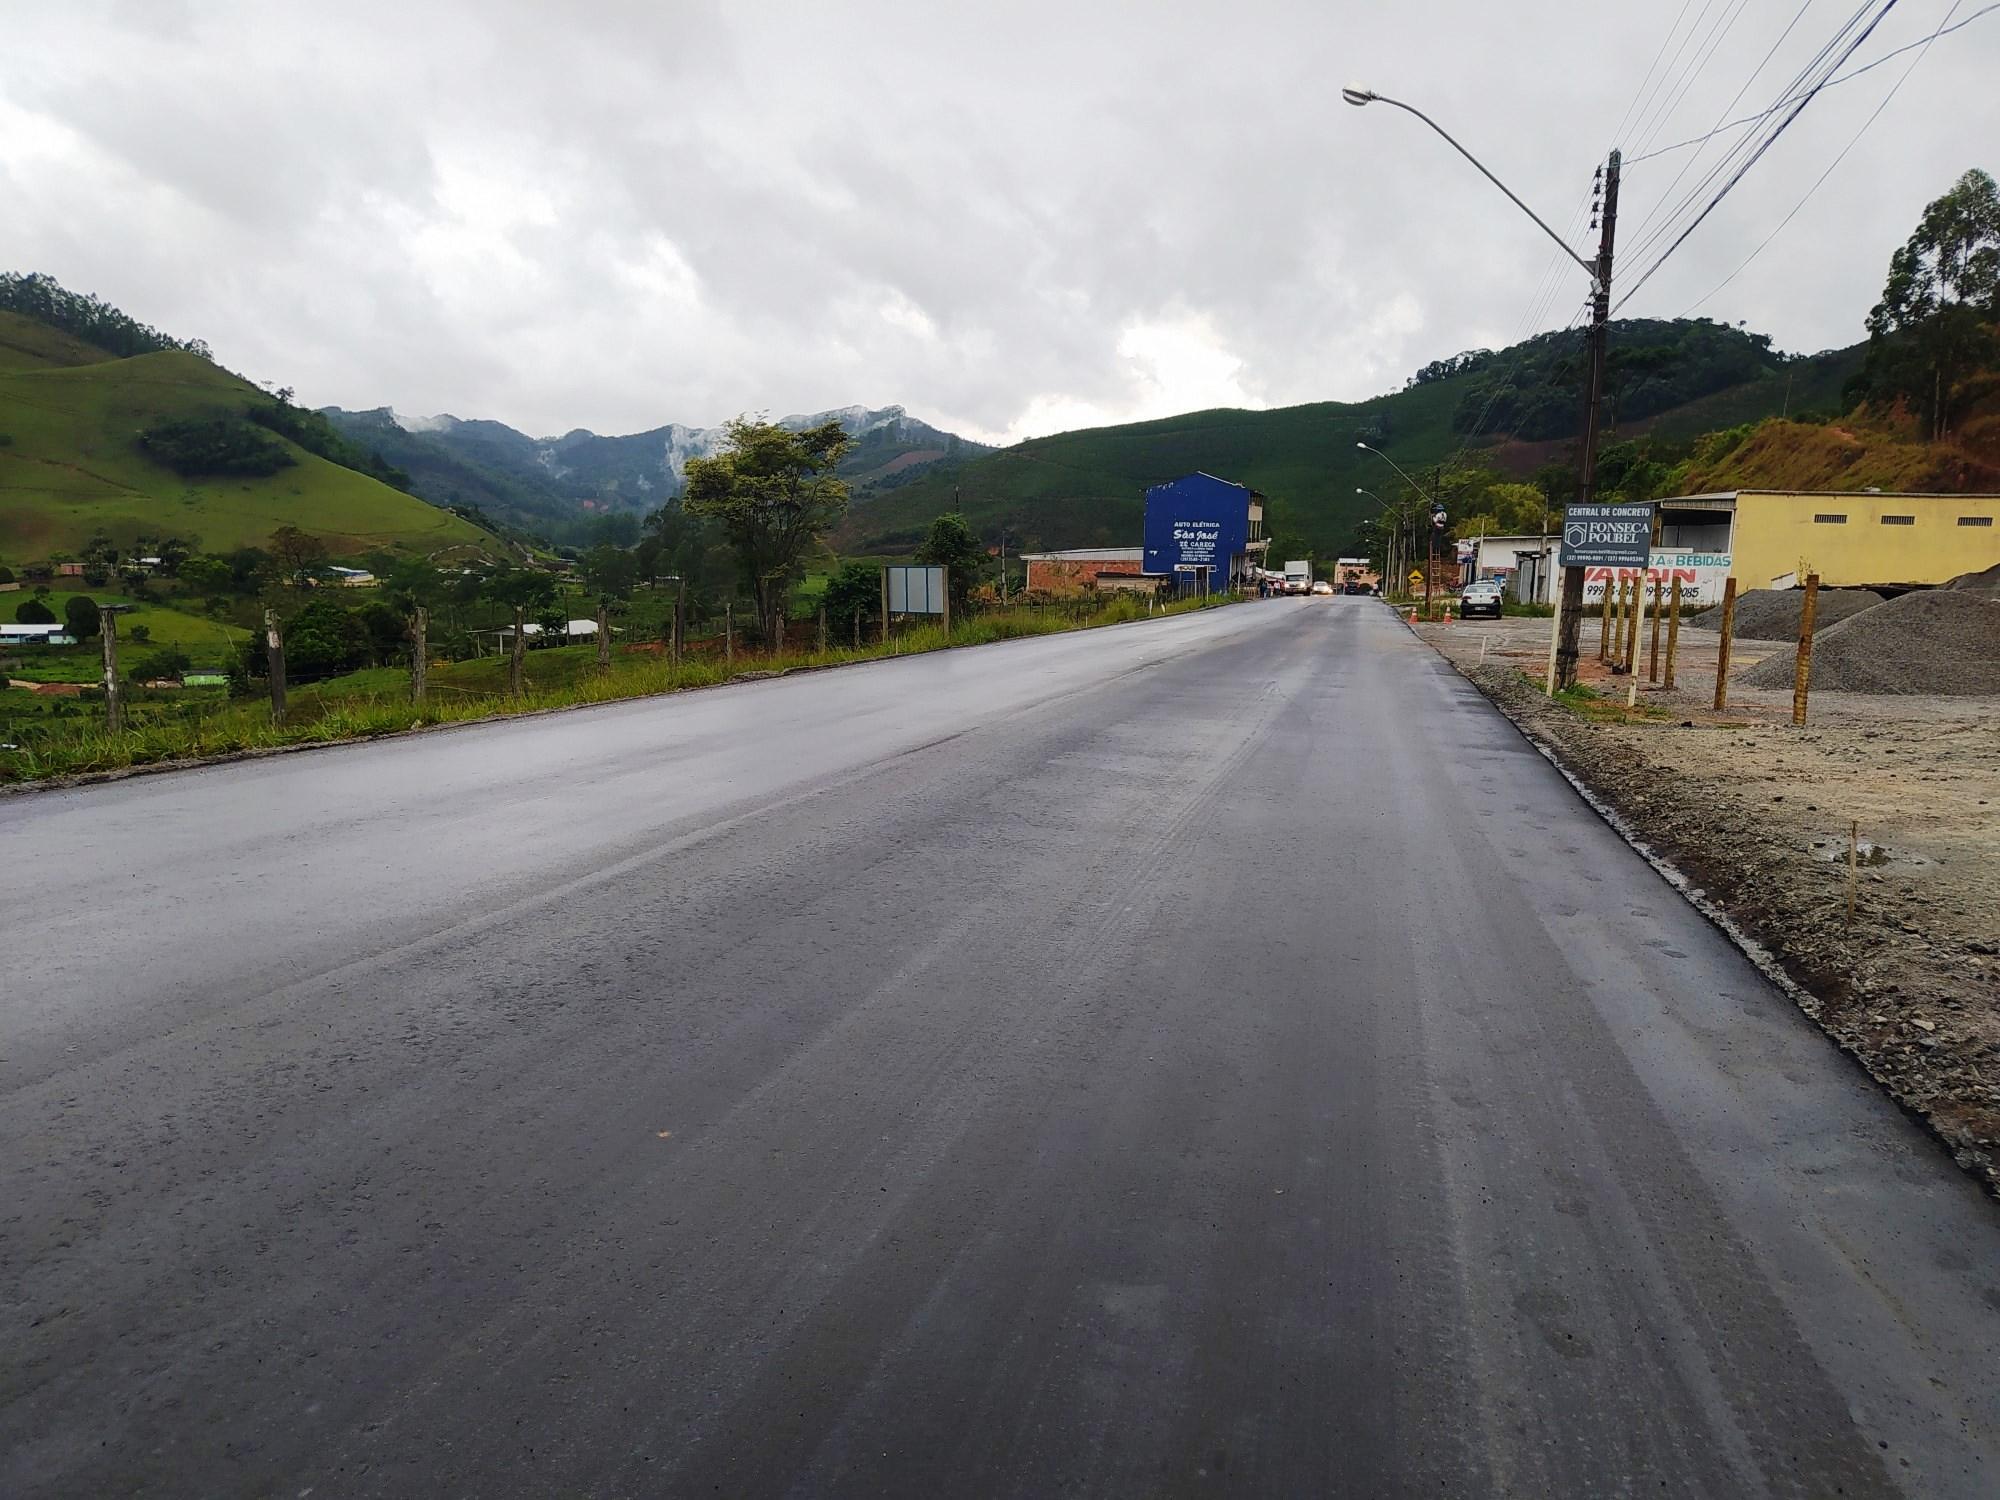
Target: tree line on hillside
87,317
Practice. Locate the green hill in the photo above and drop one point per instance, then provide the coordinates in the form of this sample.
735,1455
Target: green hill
1514,410
72,463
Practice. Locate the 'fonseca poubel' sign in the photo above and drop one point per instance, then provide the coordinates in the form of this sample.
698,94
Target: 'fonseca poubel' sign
1606,536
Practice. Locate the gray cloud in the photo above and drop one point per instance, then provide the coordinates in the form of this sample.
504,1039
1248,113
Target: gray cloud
1010,219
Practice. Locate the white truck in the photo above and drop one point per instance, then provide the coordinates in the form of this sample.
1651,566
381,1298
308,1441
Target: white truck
1298,577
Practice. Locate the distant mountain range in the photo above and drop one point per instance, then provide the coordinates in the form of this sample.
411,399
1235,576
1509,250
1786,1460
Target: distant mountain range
559,485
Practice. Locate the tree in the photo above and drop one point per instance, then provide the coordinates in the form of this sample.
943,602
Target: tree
773,492
207,575
322,640
81,617
155,666
952,545
855,592
1933,324
298,555
610,571
33,611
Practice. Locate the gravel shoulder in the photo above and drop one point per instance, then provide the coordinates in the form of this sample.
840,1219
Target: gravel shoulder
1757,814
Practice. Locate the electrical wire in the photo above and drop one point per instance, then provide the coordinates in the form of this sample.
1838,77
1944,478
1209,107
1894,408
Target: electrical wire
1666,213
1752,157
1718,33
1922,41
1894,89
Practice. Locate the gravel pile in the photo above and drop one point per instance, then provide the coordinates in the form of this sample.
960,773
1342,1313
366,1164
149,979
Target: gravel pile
1978,583
1929,641
1773,614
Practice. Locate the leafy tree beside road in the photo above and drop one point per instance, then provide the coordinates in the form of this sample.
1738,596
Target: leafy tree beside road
952,545
773,492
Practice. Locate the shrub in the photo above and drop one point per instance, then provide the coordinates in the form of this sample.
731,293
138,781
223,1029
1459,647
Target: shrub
82,617
34,612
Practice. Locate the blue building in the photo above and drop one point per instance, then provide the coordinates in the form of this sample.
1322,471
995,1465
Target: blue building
1204,534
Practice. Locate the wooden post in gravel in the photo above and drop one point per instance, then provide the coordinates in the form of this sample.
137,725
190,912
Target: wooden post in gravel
1673,629
420,656
1728,628
1632,659
1653,656
1635,621
1620,627
603,636
1604,626
114,704
274,648
1802,670
517,653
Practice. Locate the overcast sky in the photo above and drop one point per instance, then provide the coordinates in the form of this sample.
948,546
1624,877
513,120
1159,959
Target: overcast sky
1012,219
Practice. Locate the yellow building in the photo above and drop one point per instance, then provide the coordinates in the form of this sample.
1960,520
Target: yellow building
1774,538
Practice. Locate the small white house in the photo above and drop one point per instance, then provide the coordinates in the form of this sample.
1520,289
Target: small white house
12,633
351,578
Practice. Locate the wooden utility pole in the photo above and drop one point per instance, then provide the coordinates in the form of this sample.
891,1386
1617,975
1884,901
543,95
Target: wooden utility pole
1571,608
1673,629
1802,669
517,653
274,661
114,704
680,620
603,634
1728,628
420,656
1653,655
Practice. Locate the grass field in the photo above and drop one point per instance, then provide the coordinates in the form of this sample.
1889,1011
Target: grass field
207,642
74,467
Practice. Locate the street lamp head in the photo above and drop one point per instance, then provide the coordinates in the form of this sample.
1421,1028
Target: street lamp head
1357,97
1365,447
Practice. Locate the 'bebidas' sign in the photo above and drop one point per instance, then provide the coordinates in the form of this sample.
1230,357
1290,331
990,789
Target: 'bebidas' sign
1606,536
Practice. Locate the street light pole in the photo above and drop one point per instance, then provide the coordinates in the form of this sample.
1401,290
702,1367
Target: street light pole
1437,513
1569,611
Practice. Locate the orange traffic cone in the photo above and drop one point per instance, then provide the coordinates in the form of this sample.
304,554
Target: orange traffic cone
1413,614
1447,614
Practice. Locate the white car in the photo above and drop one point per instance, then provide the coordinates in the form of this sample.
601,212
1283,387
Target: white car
1322,587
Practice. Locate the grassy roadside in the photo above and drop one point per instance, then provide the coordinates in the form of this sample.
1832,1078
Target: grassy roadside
376,702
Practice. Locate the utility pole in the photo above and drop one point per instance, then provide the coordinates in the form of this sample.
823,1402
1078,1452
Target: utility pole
1571,608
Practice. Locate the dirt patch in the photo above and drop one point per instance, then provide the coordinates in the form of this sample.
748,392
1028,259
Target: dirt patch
1930,642
1773,614
1758,815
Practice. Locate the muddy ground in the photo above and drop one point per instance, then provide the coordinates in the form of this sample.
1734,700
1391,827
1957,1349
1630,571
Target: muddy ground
1758,814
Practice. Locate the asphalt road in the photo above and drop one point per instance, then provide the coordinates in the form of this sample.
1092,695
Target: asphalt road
1214,1056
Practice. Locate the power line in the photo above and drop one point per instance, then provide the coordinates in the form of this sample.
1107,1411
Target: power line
1753,157
1922,41
1662,219
1893,91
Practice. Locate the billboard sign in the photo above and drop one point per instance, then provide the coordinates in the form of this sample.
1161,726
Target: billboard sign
916,591
1606,536
1701,575
1198,524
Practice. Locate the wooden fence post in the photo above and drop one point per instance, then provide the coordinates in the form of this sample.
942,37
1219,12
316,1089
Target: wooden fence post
1673,629
1728,628
885,606
274,648
1632,660
114,703
729,635
603,634
1802,669
947,602
680,621
517,654
420,655
1653,656
822,630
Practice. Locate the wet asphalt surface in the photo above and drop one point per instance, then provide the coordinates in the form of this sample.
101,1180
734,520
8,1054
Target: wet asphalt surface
1214,1056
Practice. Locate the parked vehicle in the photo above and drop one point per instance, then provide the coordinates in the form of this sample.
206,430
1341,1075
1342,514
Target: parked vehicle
1484,597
